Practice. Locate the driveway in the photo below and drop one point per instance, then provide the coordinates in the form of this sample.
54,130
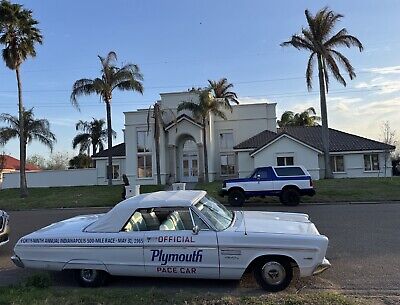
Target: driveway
364,249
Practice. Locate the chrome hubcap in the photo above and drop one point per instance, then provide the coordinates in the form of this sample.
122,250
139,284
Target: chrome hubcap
273,273
88,275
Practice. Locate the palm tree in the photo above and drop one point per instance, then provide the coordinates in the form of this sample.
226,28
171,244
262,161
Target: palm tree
92,134
306,118
127,77
34,129
201,111
157,113
18,35
319,39
220,89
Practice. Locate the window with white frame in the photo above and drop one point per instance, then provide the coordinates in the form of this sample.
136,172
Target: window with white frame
115,173
284,160
144,156
227,164
371,162
337,164
226,140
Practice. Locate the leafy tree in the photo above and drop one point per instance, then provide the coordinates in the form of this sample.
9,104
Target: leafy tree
34,129
306,118
19,35
80,161
388,136
37,160
156,113
58,161
92,134
221,89
201,111
127,77
320,40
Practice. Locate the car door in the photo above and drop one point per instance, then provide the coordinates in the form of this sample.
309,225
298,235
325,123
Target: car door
260,182
179,251
126,255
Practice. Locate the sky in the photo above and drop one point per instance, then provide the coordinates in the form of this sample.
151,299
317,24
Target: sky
181,44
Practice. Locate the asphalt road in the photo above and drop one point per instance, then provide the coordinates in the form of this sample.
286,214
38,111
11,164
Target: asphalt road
364,249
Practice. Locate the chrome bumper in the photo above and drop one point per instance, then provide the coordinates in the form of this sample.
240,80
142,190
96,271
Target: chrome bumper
17,261
322,267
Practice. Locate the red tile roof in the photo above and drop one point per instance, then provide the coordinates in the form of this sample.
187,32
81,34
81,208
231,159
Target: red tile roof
12,163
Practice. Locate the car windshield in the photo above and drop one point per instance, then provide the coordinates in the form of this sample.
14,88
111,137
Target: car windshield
251,174
215,212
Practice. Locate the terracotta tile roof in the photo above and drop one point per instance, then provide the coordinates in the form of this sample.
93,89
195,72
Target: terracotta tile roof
13,164
117,151
339,141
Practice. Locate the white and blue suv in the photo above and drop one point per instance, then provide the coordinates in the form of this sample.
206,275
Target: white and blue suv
286,182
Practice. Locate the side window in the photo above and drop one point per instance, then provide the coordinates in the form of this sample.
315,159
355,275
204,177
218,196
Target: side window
164,219
262,173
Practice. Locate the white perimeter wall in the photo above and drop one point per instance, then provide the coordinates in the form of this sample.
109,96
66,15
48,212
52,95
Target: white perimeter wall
53,178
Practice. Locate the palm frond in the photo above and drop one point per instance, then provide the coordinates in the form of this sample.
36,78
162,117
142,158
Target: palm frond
310,70
345,62
83,86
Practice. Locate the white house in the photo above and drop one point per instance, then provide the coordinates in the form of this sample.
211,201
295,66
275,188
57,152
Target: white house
247,139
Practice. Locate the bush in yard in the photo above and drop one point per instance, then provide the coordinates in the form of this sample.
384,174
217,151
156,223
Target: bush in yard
39,280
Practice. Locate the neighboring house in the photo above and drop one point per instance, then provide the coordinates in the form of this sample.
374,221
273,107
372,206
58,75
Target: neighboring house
9,164
247,139
100,159
351,156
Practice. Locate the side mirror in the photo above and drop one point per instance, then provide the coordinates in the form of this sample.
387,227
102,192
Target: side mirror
195,230
258,176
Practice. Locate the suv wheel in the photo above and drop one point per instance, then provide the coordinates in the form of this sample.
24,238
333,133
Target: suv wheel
290,197
236,198
274,274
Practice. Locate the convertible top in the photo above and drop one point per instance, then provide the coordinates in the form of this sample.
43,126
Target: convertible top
118,216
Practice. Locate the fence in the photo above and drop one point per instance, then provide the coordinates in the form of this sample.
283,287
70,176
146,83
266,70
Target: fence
53,178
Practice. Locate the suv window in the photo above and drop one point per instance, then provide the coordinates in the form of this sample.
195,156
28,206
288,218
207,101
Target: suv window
263,172
289,171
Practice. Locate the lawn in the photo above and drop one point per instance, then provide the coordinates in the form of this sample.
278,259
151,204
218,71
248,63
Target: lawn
336,190
66,197
50,296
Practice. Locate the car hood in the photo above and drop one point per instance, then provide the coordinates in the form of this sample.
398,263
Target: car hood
277,222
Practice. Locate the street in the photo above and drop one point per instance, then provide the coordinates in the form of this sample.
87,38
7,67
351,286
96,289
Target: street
364,248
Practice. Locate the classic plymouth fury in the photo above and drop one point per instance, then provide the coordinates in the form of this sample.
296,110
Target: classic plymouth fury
178,234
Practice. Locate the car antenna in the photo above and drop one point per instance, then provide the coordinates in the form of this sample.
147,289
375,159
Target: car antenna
244,222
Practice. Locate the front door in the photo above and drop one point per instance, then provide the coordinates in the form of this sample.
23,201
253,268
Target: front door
190,169
175,251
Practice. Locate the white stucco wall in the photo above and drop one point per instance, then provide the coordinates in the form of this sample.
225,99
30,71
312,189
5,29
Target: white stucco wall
53,178
354,166
245,164
287,147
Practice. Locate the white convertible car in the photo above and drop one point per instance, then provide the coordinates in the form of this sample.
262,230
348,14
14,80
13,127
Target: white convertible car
178,234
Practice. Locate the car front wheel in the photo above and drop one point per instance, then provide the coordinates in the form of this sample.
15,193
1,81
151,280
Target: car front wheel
273,275
90,277
236,198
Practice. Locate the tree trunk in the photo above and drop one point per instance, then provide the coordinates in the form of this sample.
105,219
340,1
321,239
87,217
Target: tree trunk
158,169
22,141
109,143
205,150
324,118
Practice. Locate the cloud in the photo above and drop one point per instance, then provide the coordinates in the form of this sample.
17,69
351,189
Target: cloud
380,85
62,122
384,70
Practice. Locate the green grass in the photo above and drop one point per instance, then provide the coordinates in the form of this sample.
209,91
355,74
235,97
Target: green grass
66,197
335,190
107,296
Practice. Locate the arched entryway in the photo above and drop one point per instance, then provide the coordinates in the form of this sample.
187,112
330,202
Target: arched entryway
189,161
